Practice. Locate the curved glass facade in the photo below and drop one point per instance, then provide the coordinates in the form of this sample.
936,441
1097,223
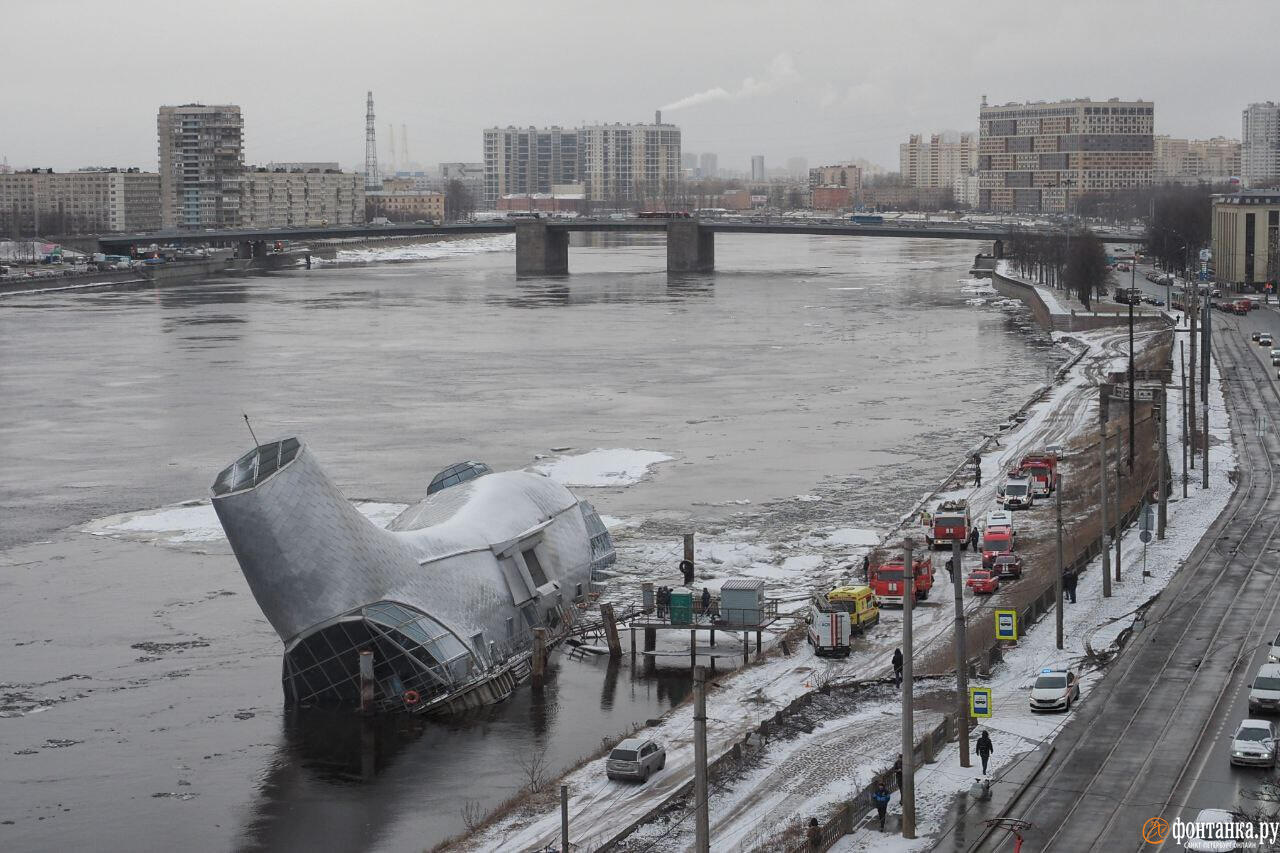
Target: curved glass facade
455,474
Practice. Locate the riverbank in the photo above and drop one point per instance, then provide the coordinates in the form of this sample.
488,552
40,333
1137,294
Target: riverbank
601,812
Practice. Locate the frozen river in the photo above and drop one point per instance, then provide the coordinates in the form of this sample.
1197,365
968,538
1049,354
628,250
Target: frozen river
810,384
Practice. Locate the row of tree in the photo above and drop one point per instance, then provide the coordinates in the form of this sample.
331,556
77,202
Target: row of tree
1074,260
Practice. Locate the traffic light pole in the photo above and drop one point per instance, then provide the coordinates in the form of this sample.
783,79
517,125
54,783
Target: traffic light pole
962,662
908,792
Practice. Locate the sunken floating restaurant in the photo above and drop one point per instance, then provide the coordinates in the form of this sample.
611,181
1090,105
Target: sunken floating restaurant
446,597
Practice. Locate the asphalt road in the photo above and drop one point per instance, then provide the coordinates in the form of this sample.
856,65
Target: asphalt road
1151,740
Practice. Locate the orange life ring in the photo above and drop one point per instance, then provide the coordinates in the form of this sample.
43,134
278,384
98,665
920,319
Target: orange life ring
411,697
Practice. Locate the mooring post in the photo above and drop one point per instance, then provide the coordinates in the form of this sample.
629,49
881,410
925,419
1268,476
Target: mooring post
611,630
713,638
539,655
693,647
746,647
366,681
633,641
757,642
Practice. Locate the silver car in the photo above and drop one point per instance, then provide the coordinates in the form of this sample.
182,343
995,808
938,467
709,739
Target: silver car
1254,744
635,758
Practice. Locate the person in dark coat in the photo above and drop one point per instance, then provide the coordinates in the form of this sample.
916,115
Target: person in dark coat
973,538
977,476
897,667
881,800
1069,585
686,569
866,566
814,834
706,601
951,566
897,774
664,600
984,749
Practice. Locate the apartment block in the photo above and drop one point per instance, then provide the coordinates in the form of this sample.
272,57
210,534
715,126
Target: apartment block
88,201
938,162
1036,157
708,165
1192,161
201,165
627,163
840,175
1246,238
278,197
1260,144
522,160
400,201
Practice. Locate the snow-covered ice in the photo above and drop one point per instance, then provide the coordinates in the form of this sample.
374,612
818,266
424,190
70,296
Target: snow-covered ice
601,467
194,522
424,251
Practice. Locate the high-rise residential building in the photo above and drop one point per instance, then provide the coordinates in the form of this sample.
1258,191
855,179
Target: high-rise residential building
1192,161
630,162
938,162
708,167
279,197
797,168
88,201
1260,144
1042,156
528,160
688,160
201,165
757,168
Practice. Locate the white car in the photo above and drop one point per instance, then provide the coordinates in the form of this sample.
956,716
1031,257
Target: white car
1254,744
1206,840
1055,690
1264,692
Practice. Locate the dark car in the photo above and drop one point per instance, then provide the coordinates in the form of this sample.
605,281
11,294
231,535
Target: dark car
1008,566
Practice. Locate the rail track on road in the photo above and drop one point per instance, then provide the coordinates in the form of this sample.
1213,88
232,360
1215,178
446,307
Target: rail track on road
1128,749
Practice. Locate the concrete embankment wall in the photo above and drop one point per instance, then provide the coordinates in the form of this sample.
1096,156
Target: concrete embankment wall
158,274
1058,322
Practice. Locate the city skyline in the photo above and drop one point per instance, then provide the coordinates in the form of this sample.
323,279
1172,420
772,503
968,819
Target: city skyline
782,91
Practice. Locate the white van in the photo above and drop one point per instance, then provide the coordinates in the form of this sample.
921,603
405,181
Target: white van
1264,692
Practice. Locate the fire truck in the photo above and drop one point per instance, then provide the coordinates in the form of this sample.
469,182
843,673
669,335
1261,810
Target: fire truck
951,523
887,580
1042,470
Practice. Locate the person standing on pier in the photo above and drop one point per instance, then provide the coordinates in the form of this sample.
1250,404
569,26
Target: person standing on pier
897,668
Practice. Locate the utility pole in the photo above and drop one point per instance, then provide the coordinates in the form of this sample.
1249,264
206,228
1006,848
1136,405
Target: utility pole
962,657
1132,432
1204,391
1116,538
1192,310
1163,517
564,817
1057,578
1106,542
908,792
702,826
1182,356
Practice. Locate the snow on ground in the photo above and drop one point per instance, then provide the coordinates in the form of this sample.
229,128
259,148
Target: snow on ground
194,522
424,251
1093,619
853,537
600,467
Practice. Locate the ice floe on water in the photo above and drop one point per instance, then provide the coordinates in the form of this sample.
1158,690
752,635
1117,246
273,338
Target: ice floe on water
194,522
853,537
602,467
424,251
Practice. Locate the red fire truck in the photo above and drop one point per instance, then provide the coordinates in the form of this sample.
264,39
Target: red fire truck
886,580
951,523
1042,469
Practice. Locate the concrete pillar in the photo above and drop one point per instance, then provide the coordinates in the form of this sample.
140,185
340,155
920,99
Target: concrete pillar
541,250
690,247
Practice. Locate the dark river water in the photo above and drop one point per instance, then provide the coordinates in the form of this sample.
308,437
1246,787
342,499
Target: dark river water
140,704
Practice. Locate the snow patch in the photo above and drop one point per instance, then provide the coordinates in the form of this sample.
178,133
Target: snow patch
601,467
196,522
424,251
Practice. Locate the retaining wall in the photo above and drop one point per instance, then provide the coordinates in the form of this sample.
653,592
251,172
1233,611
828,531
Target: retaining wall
1052,321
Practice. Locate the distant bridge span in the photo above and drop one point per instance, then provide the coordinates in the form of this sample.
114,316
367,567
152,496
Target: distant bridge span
542,245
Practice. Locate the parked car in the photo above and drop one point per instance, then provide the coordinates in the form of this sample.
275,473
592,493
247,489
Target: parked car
635,758
1055,690
1254,744
983,582
1275,357
1210,839
1008,566
1264,692
1265,340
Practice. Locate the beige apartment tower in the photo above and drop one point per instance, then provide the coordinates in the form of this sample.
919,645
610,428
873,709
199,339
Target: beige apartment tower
201,165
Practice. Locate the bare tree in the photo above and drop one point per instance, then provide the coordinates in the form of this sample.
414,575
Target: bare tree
533,769
472,815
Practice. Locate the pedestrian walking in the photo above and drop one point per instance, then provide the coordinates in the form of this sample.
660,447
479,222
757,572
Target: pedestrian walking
866,567
973,539
977,476
984,749
1069,585
881,800
814,834
897,668
951,567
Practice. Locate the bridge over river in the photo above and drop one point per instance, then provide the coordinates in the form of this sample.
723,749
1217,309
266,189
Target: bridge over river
542,245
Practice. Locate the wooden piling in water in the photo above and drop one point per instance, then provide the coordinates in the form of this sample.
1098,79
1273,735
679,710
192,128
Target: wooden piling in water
610,630
539,660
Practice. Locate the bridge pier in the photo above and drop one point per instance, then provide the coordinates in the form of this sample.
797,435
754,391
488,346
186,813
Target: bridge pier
541,250
690,247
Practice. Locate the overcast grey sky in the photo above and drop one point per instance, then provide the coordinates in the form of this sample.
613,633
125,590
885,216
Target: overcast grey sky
822,80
